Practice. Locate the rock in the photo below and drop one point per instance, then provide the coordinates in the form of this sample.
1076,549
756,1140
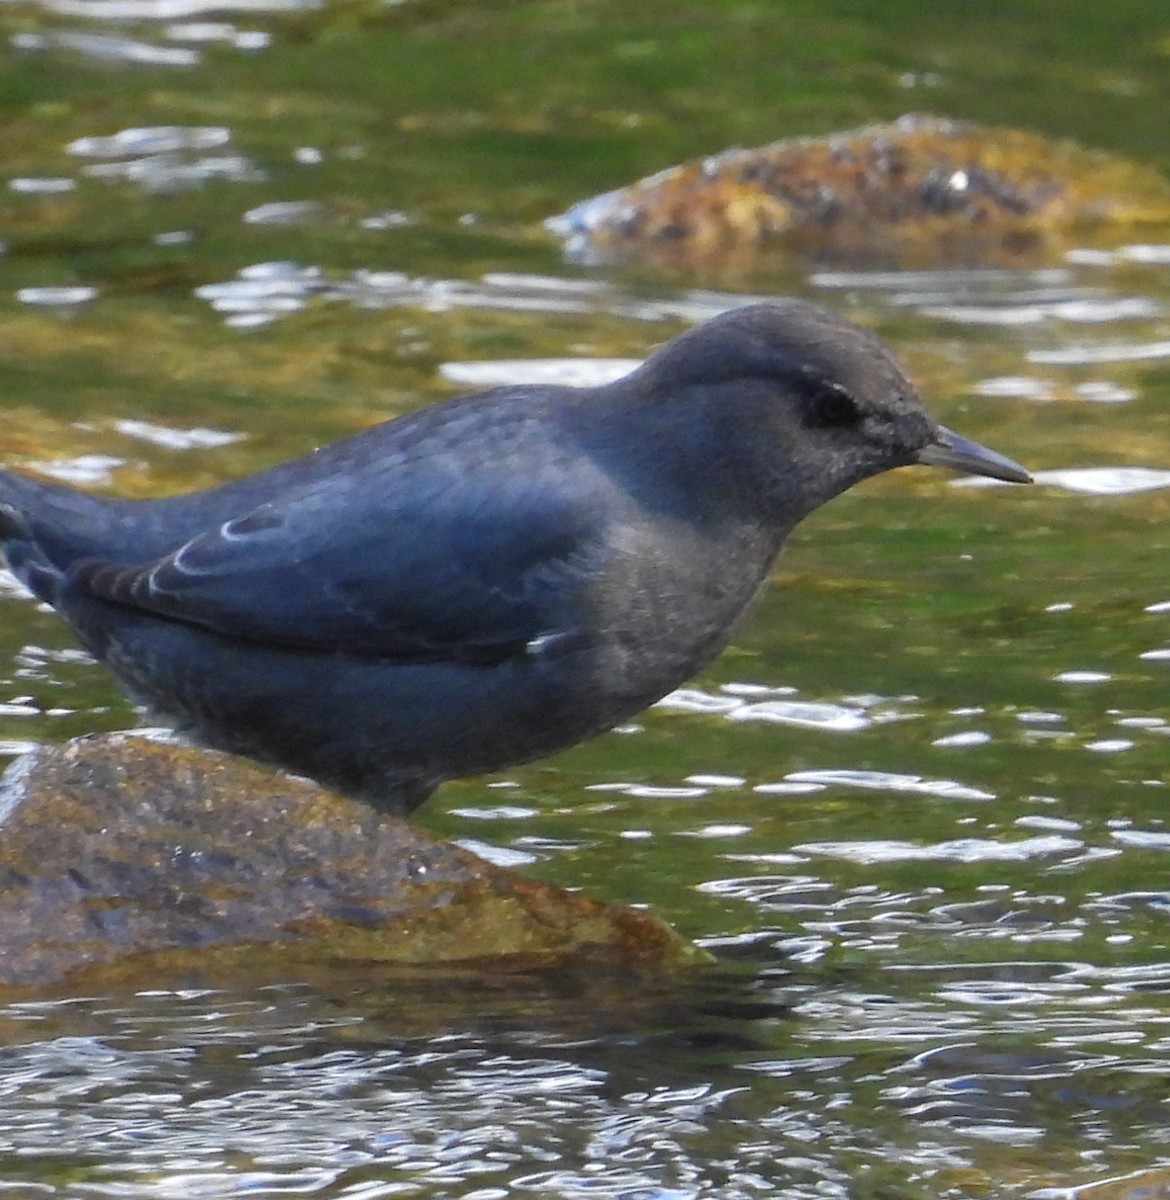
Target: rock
922,189
1141,1185
123,857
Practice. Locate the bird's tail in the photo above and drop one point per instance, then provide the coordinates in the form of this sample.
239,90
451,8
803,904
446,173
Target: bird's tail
44,526
24,557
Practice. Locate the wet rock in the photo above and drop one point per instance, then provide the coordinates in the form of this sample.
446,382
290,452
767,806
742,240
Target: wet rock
922,189
122,857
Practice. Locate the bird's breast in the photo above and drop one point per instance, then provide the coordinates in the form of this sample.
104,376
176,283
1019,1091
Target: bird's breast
664,607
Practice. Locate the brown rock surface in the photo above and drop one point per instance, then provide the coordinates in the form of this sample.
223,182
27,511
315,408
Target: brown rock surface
125,857
921,188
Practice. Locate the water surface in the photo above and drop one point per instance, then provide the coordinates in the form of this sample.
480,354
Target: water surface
918,810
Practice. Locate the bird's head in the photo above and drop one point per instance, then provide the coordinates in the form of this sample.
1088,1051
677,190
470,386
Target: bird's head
828,403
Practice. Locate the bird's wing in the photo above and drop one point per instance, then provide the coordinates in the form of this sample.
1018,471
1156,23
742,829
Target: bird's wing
465,569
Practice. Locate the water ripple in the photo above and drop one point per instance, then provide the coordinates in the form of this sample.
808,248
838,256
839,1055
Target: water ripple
57,297
150,139
85,469
1080,354
41,186
176,439
514,292
564,372
804,715
883,781
963,850
106,47
1081,311
737,702
164,158
168,10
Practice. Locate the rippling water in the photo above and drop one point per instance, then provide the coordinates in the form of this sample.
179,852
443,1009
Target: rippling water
918,810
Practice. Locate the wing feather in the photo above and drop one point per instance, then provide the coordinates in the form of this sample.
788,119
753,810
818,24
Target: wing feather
453,568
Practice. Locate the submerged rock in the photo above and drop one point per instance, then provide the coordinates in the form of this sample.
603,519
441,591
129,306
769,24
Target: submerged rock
922,189
124,857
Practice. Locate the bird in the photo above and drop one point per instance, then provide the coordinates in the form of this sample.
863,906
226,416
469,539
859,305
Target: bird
488,579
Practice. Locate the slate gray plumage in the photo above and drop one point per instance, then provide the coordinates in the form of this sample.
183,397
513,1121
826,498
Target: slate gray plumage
491,578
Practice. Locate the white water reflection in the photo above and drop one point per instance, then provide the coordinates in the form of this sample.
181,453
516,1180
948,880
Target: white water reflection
695,700
969,737
84,470
648,791
168,10
1002,298
42,186
1089,481
884,781
262,292
833,717
150,139
164,158
1091,353
1102,391
507,857
175,20
106,47
1026,387
1084,311
200,32
564,372
788,787
1016,387
284,212
177,439
57,297
964,850
1039,821
1145,253
513,292
866,711
1142,839
944,281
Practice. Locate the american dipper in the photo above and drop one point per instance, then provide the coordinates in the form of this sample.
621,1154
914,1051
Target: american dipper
491,578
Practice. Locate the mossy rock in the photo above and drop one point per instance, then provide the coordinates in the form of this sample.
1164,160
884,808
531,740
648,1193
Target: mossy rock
126,858
921,189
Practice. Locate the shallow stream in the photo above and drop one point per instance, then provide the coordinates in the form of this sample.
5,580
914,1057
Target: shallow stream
918,811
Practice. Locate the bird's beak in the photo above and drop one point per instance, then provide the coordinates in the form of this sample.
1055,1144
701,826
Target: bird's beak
962,454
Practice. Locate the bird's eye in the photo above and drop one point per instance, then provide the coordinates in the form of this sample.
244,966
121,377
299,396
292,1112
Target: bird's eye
829,406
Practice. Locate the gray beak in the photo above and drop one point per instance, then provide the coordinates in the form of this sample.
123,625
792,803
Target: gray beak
962,454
